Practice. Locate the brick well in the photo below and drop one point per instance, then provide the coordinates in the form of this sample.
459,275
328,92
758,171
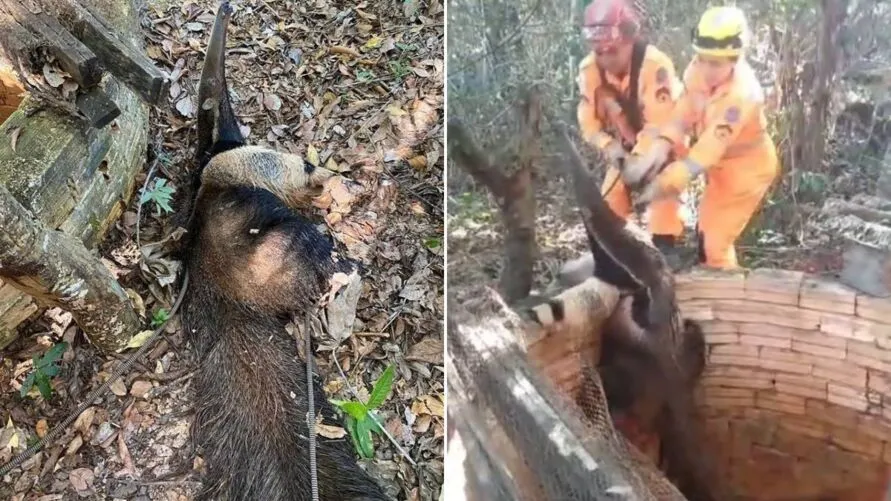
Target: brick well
796,396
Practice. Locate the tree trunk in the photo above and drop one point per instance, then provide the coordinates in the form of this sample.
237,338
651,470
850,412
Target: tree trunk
514,194
883,189
834,12
56,267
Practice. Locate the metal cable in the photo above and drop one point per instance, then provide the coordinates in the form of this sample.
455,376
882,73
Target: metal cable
311,412
88,401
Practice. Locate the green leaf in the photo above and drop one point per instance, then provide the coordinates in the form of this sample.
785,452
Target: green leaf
433,243
159,317
375,426
54,353
43,384
352,429
382,388
355,409
27,384
363,438
50,370
160,193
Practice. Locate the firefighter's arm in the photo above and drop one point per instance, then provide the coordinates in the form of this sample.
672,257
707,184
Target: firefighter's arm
661,90
589,124
654,145
719,133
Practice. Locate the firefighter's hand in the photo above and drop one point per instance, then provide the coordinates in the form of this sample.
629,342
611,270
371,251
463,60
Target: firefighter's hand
653,158
670,182
614,153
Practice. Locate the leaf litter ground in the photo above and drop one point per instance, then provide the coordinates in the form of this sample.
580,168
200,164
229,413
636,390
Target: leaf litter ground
356,88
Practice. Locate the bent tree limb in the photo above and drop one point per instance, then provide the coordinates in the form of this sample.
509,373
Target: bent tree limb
58,269
514,194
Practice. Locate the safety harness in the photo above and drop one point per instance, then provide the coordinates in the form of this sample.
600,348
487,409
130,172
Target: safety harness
629,103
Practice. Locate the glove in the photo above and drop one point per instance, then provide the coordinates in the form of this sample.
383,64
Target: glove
670,181
614,152
638,169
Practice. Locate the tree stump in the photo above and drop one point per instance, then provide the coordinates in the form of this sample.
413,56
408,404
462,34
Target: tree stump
72,173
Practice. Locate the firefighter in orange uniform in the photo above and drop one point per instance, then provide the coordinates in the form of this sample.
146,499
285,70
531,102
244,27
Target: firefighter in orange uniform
628,89
722,109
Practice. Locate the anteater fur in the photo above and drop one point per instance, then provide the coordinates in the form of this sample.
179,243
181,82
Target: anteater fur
253,263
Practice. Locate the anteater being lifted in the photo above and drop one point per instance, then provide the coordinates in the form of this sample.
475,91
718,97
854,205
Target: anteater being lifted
253,262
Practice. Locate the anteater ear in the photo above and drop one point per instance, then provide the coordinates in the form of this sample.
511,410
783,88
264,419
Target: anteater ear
217,127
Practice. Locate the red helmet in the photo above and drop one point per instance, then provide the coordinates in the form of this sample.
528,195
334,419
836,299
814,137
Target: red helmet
610,22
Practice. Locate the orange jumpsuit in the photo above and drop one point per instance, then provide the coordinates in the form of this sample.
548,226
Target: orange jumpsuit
601,121
734,150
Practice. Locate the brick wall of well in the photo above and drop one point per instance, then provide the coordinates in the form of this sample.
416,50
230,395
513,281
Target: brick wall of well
796,397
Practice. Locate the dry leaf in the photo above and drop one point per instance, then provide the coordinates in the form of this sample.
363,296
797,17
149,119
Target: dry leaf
418,162
124,453
14,137
85,420
427,404
339,49
81,479
119,388
429,350
329,431
140,388
410,8
41,428
185,108
137,340
373,43
76,443
53,78
422,424
271,101
312,155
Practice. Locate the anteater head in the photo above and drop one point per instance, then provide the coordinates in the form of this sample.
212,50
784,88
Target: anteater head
247,242
222,155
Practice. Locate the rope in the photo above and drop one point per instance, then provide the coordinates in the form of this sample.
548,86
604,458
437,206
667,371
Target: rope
88,401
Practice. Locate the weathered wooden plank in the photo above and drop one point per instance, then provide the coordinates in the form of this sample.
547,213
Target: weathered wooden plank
58,269
97,107
103,200
73,56
129,64
52,163
16,38
98,200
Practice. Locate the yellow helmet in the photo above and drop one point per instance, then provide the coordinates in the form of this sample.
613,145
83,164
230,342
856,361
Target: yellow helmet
721,32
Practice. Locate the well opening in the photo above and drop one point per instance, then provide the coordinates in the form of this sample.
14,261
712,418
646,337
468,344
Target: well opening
796,397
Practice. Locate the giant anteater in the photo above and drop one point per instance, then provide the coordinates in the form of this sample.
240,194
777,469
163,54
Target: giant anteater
253,262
